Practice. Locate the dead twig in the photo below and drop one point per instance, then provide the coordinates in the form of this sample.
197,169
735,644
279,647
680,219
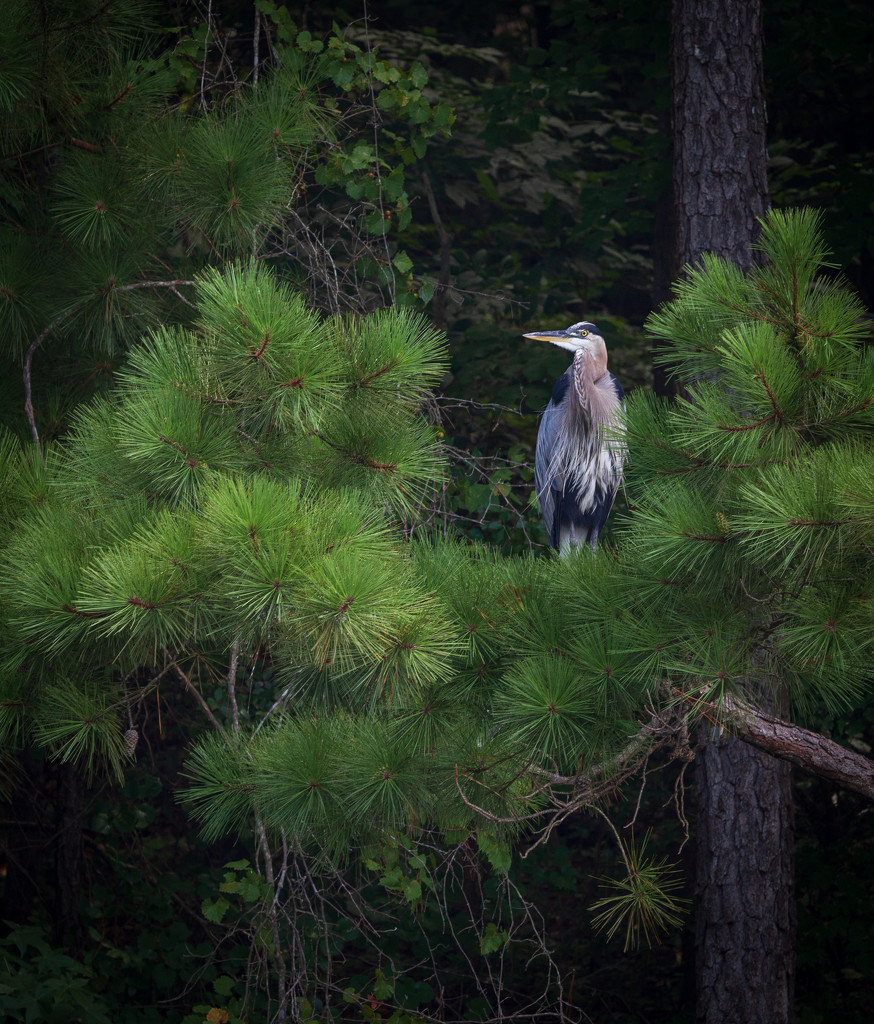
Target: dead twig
56,323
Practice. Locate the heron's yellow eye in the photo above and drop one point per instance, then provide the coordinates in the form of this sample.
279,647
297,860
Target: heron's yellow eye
584,334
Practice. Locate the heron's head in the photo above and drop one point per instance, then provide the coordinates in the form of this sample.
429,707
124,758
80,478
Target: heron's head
582,337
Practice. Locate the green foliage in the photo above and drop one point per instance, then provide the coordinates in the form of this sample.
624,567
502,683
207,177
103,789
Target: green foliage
119,194
645,901
81,721
142,922
199,511
547,709
750,500
245,488
537,148
42,985
499,854
192,508
493,938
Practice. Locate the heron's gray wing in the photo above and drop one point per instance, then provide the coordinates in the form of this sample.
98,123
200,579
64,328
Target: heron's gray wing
547,493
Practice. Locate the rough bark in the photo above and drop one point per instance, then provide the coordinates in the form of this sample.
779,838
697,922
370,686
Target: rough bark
720,156
808,750
745,913
665,267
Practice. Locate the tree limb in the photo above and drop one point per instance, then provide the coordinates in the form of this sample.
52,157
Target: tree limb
592,783
809,750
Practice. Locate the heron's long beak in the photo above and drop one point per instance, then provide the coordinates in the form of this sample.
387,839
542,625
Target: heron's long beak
547,335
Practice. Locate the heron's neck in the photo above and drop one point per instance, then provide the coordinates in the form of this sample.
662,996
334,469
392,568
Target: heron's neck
595,362
594,388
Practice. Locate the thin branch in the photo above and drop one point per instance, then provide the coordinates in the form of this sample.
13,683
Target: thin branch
198,696
445,253
639,794
232,685
135,285
616,835
206,43
278,958
376,159
588,787
58,320
87,146
28,362
256,46
18,157
69,26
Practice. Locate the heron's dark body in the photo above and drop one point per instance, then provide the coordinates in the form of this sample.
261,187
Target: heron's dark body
577,470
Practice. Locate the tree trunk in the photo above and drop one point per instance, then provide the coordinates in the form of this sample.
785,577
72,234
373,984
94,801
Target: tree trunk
25,843
745,910
720,155
70,812
664,264
744,947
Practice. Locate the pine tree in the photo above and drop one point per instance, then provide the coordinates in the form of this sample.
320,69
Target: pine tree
753,513
127,166
739,587
237,504
747,538
237,508
234,512
239,485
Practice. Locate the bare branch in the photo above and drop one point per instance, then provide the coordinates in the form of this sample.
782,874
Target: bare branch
256,45
809,750
232,685
445,253
198,696
58,320
206,43
597,781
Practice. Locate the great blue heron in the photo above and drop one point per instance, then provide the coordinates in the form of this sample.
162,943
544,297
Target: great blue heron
578,463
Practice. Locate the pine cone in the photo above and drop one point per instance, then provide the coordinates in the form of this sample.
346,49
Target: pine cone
130,742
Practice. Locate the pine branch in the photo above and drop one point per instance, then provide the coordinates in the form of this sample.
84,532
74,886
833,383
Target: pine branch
93,16
87,146
594,783
805,749
808,750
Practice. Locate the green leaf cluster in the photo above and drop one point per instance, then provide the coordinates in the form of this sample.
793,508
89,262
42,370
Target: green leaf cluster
39,983
645,901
